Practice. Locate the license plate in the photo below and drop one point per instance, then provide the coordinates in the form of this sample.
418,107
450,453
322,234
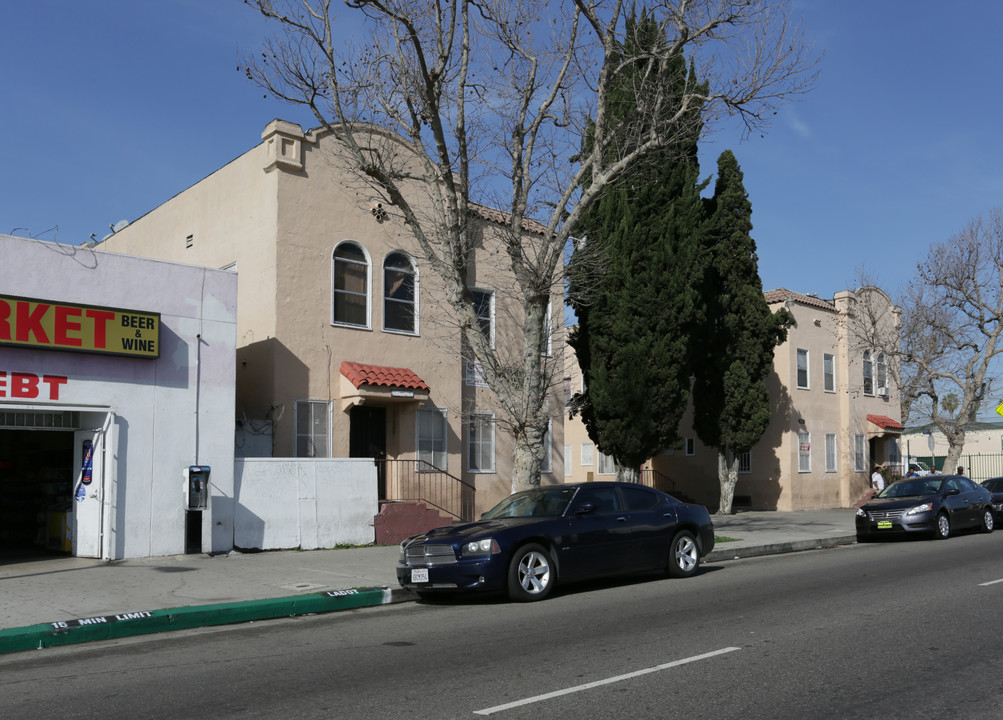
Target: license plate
419,575
884,524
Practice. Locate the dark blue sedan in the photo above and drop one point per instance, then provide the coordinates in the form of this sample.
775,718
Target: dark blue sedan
534,538
935,504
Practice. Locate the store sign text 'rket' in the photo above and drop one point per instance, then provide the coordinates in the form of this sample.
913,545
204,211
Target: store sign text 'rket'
44,324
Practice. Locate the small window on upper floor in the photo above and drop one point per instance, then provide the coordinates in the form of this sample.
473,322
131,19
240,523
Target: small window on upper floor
803,369
400,294
868,365
351,285
484,304
881,375
828,373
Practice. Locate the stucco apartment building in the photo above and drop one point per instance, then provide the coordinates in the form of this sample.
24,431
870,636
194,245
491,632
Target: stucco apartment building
345,345
836,413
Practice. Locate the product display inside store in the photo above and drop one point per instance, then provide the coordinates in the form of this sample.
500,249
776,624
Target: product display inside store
36,483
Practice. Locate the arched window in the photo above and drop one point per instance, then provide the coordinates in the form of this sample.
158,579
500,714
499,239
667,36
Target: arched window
882,375
399,294
351,285
868,373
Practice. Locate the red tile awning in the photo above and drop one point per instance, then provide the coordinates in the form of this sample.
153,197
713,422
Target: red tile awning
886,423
359,374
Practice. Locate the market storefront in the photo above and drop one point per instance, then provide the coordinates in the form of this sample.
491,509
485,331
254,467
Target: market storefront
116,396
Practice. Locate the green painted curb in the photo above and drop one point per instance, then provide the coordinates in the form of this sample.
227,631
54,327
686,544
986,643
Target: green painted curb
37,637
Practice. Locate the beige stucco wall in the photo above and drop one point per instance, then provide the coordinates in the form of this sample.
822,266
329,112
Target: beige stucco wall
278,212
774,480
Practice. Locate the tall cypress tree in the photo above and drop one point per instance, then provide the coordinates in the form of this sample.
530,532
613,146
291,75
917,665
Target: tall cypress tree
635,284
730,398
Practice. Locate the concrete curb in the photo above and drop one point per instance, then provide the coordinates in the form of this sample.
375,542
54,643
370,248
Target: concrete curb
725,553
37,637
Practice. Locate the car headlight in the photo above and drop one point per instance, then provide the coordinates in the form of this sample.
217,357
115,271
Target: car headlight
925,507
483,548
861,512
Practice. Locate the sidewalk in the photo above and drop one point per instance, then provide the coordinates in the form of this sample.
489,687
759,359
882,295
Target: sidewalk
60,601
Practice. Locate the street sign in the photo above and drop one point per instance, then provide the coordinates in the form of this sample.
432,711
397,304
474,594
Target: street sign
999,409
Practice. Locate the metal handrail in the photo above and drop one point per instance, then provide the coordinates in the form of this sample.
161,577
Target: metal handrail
650,477
420,481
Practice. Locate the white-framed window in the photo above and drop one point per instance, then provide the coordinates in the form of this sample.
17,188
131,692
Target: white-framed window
606,465
588,453
882,374
400,294
484,304
828,373
567,460
351,285
859,453
312,428
431,438
830,452
547,346
547,465
868,369
481,443
804,451
803,369
690,446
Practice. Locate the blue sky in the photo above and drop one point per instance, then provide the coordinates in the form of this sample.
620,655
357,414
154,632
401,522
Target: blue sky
111,107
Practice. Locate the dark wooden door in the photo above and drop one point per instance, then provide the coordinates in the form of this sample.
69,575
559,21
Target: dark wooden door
368,438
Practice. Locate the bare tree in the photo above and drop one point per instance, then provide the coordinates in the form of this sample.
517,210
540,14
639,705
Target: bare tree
952,320
494,99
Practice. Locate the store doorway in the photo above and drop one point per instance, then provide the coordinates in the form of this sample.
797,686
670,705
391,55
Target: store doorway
36,485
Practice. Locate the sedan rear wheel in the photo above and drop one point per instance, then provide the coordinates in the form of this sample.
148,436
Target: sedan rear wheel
530,574
988,520
684,555
943,529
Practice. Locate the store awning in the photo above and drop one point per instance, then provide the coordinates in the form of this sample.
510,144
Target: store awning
367,384
889,426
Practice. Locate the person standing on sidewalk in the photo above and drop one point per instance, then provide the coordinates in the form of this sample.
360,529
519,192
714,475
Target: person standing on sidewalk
877,480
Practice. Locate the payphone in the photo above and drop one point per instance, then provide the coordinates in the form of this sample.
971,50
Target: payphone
198,487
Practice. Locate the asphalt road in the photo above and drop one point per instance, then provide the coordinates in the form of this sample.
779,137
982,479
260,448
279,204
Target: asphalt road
890,630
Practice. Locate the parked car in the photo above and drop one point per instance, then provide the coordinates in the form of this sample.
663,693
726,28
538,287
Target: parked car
937,504
534,539
995,486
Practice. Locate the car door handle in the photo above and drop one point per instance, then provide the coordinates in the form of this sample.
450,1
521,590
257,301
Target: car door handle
621,519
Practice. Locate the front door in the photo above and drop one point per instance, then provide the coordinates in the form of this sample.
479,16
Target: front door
88,491
368,438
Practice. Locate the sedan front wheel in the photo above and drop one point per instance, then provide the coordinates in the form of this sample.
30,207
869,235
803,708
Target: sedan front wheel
943,529
530,574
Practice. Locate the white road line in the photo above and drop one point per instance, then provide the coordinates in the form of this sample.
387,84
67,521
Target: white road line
599,683
991,582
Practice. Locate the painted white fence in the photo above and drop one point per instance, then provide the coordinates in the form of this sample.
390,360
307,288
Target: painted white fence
287,503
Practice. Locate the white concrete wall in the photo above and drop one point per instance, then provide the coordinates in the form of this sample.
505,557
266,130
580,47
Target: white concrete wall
170,412
304,503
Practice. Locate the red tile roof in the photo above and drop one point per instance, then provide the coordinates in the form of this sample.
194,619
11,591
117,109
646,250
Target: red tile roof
360,374
885,423
781,294
503,218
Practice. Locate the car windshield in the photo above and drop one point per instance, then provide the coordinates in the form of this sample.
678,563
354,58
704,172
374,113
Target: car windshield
544,502
909,488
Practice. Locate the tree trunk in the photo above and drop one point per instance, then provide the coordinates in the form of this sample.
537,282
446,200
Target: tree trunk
627,474
727,474
527,457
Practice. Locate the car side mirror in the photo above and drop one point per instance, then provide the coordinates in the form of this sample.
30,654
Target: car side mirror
586,508
953,491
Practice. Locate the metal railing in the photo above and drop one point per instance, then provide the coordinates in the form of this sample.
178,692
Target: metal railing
419,481
654,479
